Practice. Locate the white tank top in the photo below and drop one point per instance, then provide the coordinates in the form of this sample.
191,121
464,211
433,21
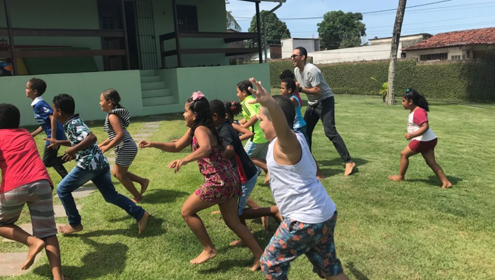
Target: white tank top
298,193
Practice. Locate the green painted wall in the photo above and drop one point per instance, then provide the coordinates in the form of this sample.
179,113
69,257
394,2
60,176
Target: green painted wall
84,87
216,82
219,82
211,17
74,14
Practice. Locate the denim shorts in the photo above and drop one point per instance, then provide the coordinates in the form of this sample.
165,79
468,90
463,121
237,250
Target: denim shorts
247,188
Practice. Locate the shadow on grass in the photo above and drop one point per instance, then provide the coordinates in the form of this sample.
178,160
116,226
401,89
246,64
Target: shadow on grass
357,274
159,196
225,266
153,228
95,264
328,172
434,181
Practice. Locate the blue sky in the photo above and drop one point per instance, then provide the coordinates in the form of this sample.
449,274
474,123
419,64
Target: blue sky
448,15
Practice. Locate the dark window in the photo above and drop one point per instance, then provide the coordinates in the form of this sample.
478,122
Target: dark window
436,56
187,16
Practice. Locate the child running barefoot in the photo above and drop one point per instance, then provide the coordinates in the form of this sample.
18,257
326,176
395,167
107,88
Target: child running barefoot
26,181
116,121
248,172
310,215
222,183
423,140
91,165
232,109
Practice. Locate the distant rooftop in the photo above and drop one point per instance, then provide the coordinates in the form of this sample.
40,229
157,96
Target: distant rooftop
403,36
457,38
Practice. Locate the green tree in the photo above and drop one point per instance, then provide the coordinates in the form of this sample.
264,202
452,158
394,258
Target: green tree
275,28
341,30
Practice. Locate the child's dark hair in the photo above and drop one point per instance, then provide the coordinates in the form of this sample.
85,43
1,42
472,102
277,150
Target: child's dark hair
217,107
417,99
64,103
287,74
287,108
290,84
10,116
232,108
112,95
39,85
201,107
244,86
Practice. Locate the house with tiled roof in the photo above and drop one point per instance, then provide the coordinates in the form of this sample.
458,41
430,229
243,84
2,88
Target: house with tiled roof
457,45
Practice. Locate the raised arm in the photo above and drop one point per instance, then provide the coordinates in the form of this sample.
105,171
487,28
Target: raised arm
172,147
286,139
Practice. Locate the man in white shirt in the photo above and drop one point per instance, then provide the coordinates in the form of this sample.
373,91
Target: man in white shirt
321,104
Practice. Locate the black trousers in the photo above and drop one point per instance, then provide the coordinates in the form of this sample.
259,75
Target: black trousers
325,110
50,159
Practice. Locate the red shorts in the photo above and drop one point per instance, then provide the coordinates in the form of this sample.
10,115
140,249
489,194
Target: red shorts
421,147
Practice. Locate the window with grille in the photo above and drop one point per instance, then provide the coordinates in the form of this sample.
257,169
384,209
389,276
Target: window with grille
455,57
436,56
187,17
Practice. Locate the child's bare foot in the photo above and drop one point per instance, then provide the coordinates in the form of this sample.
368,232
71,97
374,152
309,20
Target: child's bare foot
349,167
34,249
143,221
237,243
204,256
68,229
447,185
256,264
265,221
396,178
144,186
319,175
215,212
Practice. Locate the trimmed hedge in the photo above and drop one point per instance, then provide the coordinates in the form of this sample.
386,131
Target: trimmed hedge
468,81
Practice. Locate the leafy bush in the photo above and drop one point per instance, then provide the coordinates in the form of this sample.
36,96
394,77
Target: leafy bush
468,81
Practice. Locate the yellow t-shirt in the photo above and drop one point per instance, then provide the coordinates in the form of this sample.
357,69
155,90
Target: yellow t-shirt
249,110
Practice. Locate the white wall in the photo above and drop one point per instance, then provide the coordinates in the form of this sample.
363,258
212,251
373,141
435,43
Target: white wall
288,45
366,53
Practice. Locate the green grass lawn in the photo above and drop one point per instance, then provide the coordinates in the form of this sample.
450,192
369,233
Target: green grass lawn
385,230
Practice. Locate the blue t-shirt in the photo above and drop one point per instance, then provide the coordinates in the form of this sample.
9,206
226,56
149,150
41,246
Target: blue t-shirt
298,120
42,113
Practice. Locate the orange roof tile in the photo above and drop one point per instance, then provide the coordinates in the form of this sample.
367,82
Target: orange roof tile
457,38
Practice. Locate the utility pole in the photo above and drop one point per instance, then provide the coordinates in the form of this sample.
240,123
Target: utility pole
390,100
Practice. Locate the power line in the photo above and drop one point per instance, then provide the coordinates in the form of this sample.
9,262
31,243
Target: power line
379,12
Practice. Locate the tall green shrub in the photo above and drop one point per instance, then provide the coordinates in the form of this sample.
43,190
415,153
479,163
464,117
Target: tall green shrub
468,81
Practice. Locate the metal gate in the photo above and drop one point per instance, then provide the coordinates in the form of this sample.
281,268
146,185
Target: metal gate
146,34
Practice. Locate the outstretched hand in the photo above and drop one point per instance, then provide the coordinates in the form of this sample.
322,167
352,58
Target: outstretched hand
176,164
144,144
261,95
53,143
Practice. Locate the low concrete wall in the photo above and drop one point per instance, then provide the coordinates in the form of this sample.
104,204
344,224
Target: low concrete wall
84,87
216,82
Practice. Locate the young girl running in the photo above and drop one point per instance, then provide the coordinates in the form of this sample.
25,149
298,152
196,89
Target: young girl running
222,183
116,121
423,140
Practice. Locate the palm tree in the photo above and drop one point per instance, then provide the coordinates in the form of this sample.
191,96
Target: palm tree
390,100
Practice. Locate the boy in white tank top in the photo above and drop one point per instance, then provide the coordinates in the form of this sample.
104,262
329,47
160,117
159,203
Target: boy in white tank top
309,213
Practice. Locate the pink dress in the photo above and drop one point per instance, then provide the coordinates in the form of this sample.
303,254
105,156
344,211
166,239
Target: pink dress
222,181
